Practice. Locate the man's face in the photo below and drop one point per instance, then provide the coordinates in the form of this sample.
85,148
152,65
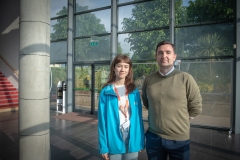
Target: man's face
165,56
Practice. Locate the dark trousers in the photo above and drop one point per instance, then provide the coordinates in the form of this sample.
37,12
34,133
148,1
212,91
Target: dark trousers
159,148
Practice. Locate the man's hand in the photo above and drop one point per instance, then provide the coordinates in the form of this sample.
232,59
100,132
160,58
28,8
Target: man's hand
105,156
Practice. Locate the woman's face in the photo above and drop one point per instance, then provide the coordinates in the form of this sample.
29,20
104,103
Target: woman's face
121,70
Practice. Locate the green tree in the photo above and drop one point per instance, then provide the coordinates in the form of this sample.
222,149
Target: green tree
86,25
194,41
211,45
210,10
148,15
205,11
60,27
211,77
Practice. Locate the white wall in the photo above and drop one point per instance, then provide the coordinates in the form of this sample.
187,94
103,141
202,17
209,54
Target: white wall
9,38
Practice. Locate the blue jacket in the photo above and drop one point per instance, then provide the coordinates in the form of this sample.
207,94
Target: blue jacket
109,133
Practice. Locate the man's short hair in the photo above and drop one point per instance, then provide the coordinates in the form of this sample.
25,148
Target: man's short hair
163,43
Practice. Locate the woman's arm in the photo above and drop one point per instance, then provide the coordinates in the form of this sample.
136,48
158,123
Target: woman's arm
102,136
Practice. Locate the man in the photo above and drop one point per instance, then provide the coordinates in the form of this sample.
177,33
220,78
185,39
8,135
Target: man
172,98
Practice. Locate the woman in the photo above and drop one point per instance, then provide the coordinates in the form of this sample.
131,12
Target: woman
120,125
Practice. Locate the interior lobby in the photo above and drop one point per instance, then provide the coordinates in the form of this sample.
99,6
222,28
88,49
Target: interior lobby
74,42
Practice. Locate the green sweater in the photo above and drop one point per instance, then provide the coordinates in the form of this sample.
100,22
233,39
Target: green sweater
170,101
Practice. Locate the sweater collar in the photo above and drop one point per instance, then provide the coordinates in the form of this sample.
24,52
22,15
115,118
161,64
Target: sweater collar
167,72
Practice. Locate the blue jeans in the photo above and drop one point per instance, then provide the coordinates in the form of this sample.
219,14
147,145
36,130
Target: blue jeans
126,156
159,148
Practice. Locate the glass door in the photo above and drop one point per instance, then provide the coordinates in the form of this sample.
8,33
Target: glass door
101,76
82,88
89,80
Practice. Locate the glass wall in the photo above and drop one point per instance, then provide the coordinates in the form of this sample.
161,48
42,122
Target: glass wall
141,26
203,36
101,77
85,52
83,87
92,30
214,78
92,39
58,73
58,48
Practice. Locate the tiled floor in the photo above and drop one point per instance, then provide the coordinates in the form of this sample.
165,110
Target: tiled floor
76,138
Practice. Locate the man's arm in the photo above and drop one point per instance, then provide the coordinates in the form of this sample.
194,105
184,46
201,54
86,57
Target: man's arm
194,98
144,94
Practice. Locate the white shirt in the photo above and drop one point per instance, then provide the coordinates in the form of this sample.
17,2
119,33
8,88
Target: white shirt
122,93
167,72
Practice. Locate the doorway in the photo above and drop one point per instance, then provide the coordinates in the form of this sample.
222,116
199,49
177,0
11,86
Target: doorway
89,79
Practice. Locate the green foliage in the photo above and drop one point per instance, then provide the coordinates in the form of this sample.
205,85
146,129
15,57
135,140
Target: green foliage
147,15
60,27
211,45
194,39
86,25
210,10
211,76
141,70
82,77
180,13
205,87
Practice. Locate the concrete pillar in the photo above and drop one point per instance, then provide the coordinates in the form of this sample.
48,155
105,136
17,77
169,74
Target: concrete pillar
34,61
237,71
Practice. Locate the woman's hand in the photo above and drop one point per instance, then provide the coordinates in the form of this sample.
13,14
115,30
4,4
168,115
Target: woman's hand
105,156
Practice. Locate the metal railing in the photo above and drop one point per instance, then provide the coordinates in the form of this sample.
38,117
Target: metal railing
9,65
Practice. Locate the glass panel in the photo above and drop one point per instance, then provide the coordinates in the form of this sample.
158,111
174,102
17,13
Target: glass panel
99,52
101,77
58,8
82,87
58,73
189,11
93,23
202,41
141,45
145,15
140,70
214,78
58,29
84,5
124,1
58,52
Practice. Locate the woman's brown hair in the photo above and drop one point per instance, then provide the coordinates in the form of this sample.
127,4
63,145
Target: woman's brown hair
129,84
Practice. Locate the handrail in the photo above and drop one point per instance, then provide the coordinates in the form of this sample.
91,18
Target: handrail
8,64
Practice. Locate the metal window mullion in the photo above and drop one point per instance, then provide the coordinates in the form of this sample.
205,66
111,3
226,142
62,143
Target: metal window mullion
70,57
171,18
114,29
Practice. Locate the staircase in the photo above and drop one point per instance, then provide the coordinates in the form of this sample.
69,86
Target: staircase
8,94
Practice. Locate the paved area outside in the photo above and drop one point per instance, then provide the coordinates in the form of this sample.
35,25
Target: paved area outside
74,136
